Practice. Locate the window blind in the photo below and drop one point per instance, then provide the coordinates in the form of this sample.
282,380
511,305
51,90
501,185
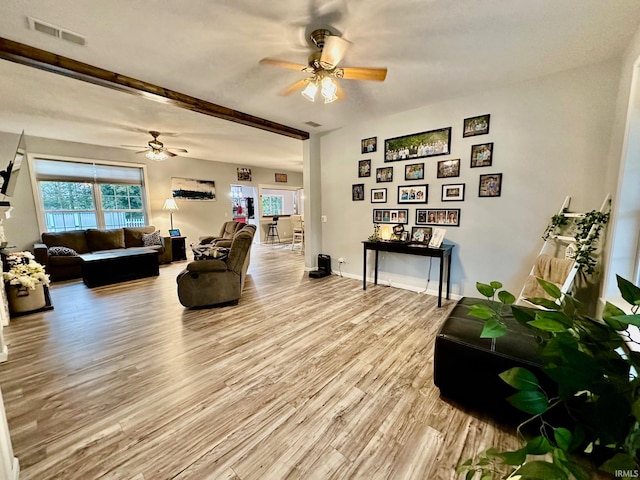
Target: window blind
69,171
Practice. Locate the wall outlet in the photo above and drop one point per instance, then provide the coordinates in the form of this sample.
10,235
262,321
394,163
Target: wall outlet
323,219
342,260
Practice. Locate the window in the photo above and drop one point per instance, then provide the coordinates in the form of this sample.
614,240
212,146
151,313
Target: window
272,205
77,195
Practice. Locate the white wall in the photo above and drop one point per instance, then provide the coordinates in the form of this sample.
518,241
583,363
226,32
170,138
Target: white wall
194,218
551,139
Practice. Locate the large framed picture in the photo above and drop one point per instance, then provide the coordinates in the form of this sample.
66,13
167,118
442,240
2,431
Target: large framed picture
438,216
449,168
357,192
453,192
421,234
193,189
391,215
369,145
413,193
415,171
476,125
490,185
384,174
378,195
482,155
364,168
418,145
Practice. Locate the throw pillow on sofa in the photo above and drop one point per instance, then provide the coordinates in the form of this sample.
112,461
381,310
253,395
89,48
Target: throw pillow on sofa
150,239
62,252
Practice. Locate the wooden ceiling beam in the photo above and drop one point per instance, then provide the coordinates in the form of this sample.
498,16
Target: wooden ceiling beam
50,62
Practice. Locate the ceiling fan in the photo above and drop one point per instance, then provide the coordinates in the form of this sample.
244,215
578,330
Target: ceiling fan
323,65
155,149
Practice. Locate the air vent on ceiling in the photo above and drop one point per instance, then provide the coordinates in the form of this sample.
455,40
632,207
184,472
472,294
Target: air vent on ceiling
312,124
55,31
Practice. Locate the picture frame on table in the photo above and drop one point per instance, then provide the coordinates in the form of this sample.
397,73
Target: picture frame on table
378,195
490,185
482,155
413,193
369,145
453,192
357,192
476,125
418,145
415,171
449,168
384,174
438,216
421,235
386,215
364,168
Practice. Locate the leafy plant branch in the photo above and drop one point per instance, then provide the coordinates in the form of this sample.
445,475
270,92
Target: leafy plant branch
595,374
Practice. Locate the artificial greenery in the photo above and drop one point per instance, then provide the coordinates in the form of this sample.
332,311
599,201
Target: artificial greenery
595,410
580,230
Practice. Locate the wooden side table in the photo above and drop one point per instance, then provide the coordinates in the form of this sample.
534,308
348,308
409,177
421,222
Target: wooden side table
179,249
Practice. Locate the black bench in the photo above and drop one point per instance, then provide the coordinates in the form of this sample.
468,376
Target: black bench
105,268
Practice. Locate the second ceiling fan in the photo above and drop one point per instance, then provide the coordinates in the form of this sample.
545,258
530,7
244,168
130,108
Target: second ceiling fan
323,65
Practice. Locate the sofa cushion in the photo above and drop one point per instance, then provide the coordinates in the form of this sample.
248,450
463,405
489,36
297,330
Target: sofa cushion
62,251
75,239
133,235
149,239
105,239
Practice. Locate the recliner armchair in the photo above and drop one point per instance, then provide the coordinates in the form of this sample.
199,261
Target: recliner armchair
227,232
211,282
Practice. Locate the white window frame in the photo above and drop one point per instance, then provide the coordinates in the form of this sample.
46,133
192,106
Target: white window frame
35,189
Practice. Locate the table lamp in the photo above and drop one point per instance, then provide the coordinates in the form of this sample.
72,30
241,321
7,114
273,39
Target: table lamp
171,205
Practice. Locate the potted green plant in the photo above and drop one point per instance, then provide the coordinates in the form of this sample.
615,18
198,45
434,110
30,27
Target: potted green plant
594,364
24,280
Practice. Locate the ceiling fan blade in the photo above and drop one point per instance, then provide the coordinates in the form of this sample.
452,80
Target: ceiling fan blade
181,150
170,154
299,85
274,62
133,146
142,151
333,51
361,73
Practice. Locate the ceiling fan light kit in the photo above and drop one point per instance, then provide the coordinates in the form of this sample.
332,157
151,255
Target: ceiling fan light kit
323,65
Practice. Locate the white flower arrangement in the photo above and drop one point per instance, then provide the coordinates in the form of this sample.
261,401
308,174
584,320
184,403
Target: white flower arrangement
24,271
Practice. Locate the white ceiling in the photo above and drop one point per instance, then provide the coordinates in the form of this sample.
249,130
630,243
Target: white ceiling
209,49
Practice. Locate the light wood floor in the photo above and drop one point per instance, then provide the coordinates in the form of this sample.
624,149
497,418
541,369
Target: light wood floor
303,379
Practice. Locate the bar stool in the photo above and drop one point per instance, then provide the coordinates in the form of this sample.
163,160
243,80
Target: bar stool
272,233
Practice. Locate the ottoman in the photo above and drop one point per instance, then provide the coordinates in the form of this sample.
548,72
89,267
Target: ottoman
466,367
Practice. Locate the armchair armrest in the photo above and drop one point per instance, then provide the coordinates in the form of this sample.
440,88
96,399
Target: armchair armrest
41,254
212,265
207,239
167,251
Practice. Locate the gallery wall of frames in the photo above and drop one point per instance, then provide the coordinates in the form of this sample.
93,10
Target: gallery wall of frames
407,159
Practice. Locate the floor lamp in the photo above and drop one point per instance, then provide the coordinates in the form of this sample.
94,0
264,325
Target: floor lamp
171,205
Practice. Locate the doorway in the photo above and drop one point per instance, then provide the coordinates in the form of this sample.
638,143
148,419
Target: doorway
243,204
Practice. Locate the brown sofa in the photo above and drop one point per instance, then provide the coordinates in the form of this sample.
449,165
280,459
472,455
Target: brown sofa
66,263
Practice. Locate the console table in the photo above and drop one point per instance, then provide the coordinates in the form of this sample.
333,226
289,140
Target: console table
443,253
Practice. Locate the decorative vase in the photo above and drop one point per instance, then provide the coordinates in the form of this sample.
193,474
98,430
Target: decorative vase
22,299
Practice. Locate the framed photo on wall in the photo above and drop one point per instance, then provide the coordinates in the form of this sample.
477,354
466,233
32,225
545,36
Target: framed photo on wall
357,192
386,215
384,174
414,171
438,216
364,168
378,195
453,192
482,155
281,177
490,185
449,168
413,193
369,145
476,125
418,145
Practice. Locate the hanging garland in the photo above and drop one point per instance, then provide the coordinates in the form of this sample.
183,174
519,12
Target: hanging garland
585,244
